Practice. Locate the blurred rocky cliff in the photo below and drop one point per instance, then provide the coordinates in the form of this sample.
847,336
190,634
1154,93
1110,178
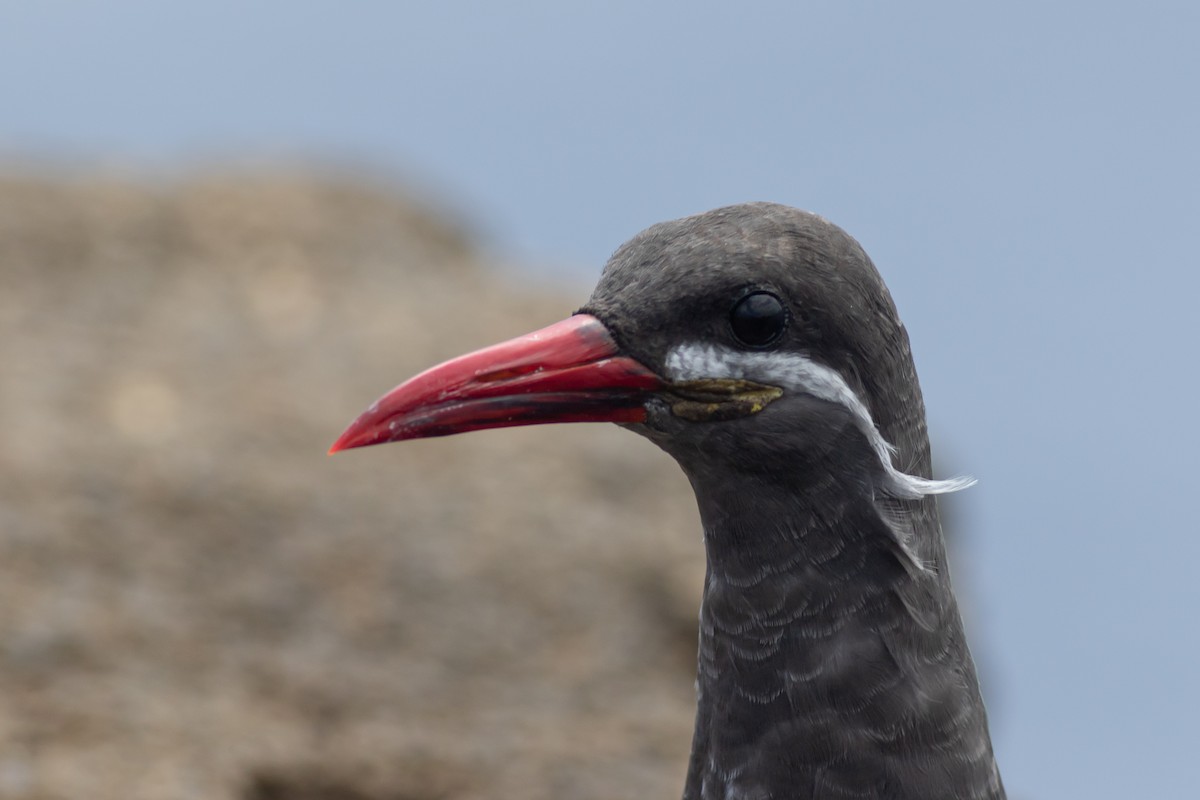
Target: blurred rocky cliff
196,602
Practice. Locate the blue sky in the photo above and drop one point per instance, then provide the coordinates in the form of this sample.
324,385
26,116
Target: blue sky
1025,175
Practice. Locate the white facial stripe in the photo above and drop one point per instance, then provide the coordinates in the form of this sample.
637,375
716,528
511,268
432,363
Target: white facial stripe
792,371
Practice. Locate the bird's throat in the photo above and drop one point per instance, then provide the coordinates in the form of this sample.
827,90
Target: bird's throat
821,649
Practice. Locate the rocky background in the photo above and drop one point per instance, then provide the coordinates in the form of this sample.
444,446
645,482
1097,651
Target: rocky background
196,602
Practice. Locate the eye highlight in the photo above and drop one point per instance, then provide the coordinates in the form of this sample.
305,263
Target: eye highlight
758,319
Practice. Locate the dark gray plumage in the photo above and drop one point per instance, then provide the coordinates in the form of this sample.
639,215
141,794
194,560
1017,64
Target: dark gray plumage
831,665
758,345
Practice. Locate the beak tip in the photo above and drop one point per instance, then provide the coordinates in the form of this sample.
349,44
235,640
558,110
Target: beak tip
347,441
364,433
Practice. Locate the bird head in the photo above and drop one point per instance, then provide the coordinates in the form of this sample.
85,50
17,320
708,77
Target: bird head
752,338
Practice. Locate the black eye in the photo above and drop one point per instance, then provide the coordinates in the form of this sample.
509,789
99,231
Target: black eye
758,319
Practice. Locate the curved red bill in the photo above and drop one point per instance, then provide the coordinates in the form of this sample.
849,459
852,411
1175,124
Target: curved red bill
570,371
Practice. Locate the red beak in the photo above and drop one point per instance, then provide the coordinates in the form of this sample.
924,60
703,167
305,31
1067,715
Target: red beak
568,372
